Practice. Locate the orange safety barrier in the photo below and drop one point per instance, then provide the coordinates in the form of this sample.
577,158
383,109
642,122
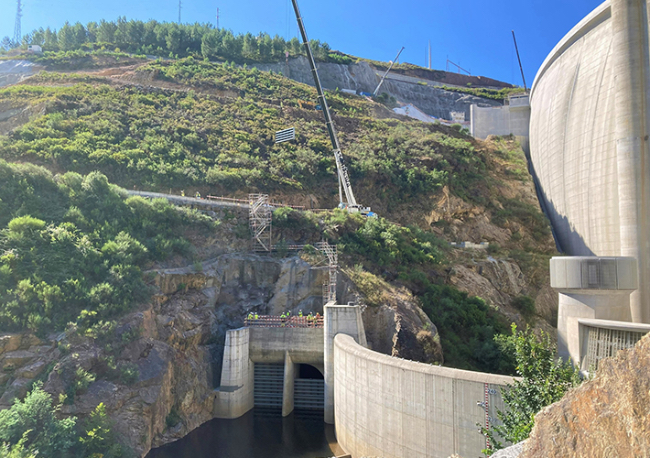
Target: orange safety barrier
271,321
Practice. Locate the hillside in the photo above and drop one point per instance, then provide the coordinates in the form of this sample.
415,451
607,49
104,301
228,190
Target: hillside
121,297
197,126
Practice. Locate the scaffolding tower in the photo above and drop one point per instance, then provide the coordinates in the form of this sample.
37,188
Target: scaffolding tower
329,288
260,215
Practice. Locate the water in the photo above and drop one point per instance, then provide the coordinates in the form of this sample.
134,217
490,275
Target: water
257,434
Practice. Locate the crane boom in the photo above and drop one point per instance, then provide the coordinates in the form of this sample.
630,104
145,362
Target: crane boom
386,74
342,171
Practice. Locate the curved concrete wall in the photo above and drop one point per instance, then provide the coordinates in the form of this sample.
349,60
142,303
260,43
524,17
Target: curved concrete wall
589,139
572,138
394,408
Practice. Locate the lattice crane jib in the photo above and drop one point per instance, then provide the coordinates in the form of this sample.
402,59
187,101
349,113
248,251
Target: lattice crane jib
260,220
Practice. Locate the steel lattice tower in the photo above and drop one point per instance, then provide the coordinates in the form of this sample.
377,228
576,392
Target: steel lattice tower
18,36
260,216
329,288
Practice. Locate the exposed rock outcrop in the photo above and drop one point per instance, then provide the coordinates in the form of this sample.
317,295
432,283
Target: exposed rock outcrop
157,371
360,76
608,416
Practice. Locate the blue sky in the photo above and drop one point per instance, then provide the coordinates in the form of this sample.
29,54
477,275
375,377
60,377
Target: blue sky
473,33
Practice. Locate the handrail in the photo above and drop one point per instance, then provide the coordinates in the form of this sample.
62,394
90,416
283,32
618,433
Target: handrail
272,321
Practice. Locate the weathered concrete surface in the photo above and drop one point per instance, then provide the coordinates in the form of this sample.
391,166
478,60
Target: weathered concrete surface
393,408
590,287
271,345
608,416
589,139
234,397
512,118
339,320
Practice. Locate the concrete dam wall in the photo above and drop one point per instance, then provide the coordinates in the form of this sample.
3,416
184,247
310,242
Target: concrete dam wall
394,408
589,132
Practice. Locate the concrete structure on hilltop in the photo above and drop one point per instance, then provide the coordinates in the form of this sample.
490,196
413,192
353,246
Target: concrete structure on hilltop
380,405
511,118
589,152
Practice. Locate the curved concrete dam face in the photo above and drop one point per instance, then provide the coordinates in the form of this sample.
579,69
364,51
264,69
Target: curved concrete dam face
589,139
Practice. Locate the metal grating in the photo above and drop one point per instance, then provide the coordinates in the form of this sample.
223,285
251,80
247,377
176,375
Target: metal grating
604,343
285,135
269,380
309,393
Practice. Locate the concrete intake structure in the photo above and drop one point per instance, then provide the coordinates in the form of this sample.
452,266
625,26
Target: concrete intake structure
380,405
590,156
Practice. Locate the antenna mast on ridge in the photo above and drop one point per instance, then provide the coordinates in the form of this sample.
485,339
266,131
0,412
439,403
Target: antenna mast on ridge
179,11
18,36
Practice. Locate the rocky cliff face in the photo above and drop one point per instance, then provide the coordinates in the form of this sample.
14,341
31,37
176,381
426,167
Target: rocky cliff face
362,77
157,371
608,416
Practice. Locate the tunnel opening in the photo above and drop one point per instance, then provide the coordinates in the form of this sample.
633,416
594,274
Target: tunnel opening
309,389
307,371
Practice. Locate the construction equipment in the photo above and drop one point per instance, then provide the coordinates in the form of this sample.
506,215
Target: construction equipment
392,62
350,204
519,59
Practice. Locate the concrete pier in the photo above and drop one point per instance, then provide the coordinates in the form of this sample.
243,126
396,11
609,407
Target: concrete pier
632,73
590,287
289,378
339,319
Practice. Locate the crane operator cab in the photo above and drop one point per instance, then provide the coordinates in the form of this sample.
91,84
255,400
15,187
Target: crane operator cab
364,211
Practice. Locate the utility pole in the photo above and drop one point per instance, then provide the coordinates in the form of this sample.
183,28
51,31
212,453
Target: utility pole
519,59
217,18
429,54
179,11
18,36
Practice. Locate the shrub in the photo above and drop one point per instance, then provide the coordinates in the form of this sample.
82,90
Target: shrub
544,380
78,255
129,374
33,424
173,418
526,305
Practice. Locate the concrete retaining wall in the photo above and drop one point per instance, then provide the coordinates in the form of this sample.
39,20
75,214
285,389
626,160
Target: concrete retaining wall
394,408
504,120
235,395
303,345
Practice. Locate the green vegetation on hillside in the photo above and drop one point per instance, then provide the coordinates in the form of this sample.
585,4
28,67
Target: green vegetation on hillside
495,94
163,138
30,429
169,39
414,258
210,127
74,247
